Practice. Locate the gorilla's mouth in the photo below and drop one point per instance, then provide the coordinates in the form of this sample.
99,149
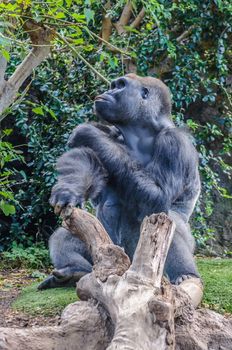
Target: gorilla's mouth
104,97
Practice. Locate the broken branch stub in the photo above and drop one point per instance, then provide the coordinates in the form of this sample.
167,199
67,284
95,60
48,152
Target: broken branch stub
152,249
108,259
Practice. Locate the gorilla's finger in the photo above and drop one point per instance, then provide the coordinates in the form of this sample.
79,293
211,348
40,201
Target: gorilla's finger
52,200
57,209
63,199
67,211
81,204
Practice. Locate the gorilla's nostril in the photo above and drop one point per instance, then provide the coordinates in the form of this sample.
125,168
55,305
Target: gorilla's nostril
119,83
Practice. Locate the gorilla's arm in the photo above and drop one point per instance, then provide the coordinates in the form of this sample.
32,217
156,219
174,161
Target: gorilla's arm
154,188
81,176
111,131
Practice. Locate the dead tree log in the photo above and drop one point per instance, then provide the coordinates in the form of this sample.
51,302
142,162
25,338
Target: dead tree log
141,313
129,306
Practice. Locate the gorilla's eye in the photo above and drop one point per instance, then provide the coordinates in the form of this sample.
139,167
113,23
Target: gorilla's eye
145,93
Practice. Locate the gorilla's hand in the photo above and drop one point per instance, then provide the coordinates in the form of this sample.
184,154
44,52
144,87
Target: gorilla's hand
86,134
62,197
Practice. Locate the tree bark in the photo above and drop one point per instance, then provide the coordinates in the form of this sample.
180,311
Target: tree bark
127,306
106,23
40,38
124,18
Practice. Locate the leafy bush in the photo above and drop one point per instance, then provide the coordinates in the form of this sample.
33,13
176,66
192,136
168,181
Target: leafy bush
33,257
8,156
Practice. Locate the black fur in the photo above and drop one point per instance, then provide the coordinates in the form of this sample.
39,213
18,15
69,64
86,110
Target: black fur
140,165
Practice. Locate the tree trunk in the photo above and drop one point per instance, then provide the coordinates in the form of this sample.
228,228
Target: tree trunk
127,306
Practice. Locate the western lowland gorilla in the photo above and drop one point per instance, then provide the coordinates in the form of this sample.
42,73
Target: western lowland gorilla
132,164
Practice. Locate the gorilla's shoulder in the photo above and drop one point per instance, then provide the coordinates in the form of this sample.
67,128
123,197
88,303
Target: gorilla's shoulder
177,142
179,135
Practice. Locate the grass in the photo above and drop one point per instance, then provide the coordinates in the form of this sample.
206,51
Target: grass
217,277
49,302
216,273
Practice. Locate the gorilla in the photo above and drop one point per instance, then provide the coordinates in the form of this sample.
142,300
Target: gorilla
133,163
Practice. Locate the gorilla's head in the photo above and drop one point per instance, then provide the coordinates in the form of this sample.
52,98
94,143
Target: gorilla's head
133,99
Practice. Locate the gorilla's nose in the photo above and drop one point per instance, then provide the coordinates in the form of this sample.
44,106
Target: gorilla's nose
119,83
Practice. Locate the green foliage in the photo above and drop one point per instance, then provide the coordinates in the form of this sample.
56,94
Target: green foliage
217,278
33,257
8,157
46,303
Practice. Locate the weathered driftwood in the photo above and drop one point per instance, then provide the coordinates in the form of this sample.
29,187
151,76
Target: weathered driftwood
140,312
129,306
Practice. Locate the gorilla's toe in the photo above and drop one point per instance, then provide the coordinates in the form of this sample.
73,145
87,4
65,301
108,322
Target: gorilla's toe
182,278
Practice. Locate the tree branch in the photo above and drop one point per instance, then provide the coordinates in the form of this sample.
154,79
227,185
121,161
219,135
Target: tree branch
83,59
106,23
185,34
157,232
31,61
3,65
41,37
124,19
110,46
108,258
138,19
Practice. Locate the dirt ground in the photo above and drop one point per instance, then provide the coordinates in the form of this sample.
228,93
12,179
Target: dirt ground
11,283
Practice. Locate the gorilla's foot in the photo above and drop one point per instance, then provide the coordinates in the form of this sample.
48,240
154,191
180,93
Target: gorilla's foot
58,280
52,282
194,288
182,278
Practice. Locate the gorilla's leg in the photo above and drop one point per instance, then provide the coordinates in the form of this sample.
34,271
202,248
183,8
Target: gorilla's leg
81,176
109,213
180,265
70,259
180,261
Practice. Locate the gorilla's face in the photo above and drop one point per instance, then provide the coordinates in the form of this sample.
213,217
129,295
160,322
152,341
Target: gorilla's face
132,98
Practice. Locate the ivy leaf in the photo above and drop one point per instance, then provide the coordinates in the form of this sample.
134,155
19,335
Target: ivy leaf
7,132
89,15
38,110
5,54
50,111
7,194
79,41
60,15
8,209
69,3
79,18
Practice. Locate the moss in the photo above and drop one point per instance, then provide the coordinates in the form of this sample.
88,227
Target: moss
217,277
47,303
